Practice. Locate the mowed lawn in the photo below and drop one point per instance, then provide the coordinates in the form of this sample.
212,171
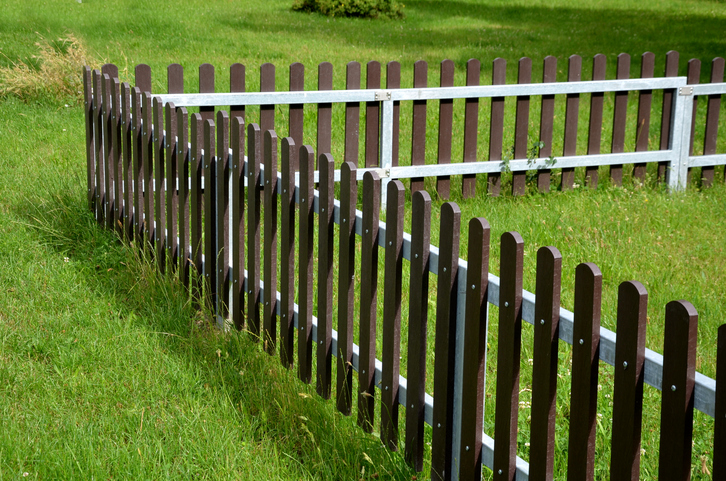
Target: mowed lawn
108,370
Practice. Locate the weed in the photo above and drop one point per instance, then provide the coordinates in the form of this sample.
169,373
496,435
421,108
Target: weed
351,8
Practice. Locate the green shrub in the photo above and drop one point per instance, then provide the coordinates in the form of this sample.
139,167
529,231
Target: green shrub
351,8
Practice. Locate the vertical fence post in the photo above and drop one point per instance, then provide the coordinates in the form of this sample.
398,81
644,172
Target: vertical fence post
254,158
677,172
620,112
221,222
445,343
719,431
387,138
368,300
417,327
184,165
237,84
642,130
574,74
286,190
159,187
712,114
585,359
346,286
138,161
544,372
116,159
296,111
98,142
475,349
418,123
210,214
666,123
508,356
679,376
325,111
269,333
325,274
471,127
352,115
147,153
547,117
305,277
373,111
496,127
521,128
195,210
108,154
446,118
694,77
206,85
628,384
594,133
128,168
237,222
392,313
172,184
90,137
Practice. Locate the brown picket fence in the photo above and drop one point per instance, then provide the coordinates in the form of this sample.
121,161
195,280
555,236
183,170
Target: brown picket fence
193,186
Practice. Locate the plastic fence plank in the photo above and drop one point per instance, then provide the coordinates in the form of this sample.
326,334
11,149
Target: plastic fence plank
175,78
147,153
210,215
206,85
286,190
159,188
142,77
594,133
719,430
712,114
521,127
446,118
496,128
393,81
269,333
305,278
184,164
325,274
671,70
237,78
108,154
471,126
645,101
352,115
572,111
547,117
137,137
325,111
620,112
372,134
115,160
237,247
196,201
475,348
221,222
88,106
172,174
254,159
418,124
295,111
128,167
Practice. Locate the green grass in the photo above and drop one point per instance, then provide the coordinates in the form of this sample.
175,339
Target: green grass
106,370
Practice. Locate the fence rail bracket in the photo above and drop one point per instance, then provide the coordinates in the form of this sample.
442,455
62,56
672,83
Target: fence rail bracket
382,95
685,91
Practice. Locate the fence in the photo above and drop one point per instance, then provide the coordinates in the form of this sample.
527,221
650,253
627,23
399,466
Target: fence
182,182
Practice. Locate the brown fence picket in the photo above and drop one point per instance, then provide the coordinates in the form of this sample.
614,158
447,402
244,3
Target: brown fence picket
206,85
90,137
373,81
142,77
254,159
346,286
368,300
286,190
628,382
196,199
671,70
305,277
620,113
237,247
108,154
445,342
679,379
693,77
147,153
267,84
521,127
475,348
392,313
719,430
544,371
325,274
471,128
594,134
175,78
296,112
98,142
446,124
116,152
508,355
547,117
137,138
325,111
221,221
269,333
159,188
496,128
172,174
585,359
393,81
574,74
418,123
417,327
210,214
352,114
645,100
128,167
183,165
712,114
237,84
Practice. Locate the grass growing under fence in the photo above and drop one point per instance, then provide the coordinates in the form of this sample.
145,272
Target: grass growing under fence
106,371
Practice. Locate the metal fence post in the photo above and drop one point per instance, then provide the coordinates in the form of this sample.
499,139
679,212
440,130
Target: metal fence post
677,173
386,147
458,372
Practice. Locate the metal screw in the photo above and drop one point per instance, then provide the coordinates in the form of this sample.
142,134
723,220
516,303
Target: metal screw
625,364
541,321
473,286
506,304
500,471
390,243
321,342
386,388
283,316
411,406
363,372
323,209
416,255
366,231
444,269
438,425
582,341
301,328
303,200
467,448
673,387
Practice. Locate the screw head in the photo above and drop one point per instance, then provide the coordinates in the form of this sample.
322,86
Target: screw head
438,425
473,286
506,304
467,448
582,341
673,387
625,364
541,321
500,471
444,269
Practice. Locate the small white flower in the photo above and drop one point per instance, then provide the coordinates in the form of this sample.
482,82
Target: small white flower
66,259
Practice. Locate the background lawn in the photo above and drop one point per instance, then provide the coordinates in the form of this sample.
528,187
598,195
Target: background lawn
107,370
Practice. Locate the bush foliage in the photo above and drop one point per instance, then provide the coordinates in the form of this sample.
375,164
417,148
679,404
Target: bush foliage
351,8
